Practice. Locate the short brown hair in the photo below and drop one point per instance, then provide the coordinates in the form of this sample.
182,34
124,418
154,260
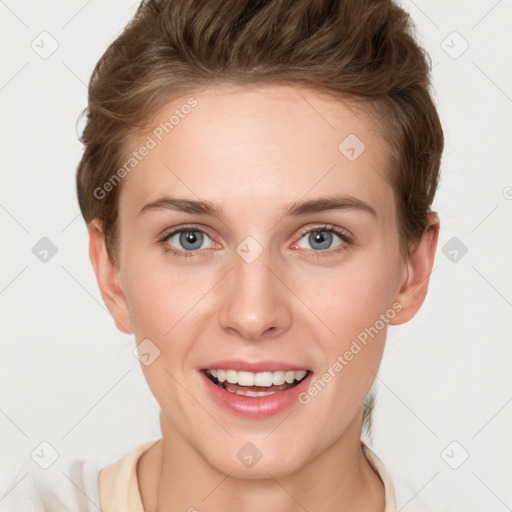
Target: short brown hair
363,50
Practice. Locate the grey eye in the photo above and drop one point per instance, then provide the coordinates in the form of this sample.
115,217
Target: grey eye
189,240
320,239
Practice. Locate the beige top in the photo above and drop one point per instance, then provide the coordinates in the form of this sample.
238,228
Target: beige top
119,489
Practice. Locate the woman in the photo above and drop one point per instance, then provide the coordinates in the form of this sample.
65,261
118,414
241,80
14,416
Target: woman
257,181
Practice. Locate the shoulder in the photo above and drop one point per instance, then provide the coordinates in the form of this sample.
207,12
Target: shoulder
118,482
380,469
66,485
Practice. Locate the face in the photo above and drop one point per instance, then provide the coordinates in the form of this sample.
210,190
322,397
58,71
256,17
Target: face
232,259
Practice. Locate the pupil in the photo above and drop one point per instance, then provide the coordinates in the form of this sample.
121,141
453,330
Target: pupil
191,237
323,238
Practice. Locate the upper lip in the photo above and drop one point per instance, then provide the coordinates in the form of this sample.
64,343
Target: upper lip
253,366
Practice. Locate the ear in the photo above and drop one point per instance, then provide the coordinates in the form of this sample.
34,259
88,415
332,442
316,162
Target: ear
107,275
418,267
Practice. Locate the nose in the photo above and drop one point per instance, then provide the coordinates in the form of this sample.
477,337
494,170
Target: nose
255,304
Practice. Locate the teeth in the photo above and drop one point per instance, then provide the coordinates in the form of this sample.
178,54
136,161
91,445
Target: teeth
250,392
261,379
264,379
289,376
231,376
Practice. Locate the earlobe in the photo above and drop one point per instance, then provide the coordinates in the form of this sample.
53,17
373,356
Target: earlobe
419,266
107,276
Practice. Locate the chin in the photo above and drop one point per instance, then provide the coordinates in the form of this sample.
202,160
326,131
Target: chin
249,463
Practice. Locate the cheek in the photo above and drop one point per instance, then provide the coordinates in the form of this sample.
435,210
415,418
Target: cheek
163,306
356,306
349,299
166,300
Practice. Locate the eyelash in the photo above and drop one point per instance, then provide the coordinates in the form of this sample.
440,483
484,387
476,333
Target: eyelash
346,241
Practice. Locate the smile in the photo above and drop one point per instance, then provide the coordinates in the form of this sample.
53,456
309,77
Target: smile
255,394
251,384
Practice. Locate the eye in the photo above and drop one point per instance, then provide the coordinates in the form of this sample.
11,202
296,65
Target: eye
323,238
186,240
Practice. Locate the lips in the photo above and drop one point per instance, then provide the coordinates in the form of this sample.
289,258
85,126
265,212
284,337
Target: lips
260,379
255,384
255,389
253,366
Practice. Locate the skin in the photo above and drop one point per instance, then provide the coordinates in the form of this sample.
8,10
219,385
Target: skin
254,151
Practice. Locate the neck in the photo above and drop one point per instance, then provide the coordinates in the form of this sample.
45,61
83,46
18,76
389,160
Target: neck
173,476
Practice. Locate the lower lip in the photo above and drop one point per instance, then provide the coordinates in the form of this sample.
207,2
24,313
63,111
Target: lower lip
256,407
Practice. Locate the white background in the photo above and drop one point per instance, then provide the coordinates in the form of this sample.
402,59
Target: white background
69,377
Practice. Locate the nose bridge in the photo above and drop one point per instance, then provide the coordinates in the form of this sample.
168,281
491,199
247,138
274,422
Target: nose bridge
253,299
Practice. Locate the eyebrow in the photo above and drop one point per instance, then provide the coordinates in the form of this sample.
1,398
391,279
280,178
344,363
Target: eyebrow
296,208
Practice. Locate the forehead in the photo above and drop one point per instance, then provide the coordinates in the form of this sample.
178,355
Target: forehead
258,146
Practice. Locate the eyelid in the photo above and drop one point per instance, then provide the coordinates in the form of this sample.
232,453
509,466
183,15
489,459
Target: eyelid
344,234
183,227
303,231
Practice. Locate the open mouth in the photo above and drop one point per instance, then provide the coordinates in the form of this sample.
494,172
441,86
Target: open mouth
255,384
